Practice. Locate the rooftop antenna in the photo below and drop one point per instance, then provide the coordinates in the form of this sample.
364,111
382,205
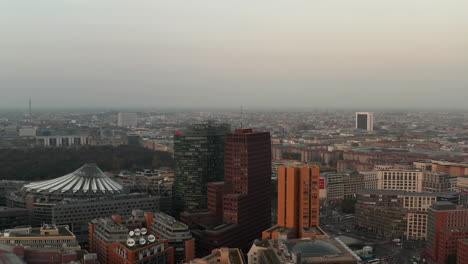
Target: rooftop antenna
241,116
30,111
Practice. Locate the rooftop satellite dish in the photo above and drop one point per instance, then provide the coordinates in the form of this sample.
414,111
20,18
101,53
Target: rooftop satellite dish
151,238
142,241
131,233
137,232
144,231
130,242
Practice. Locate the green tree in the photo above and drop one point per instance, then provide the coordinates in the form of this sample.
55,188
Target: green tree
348,205
451,259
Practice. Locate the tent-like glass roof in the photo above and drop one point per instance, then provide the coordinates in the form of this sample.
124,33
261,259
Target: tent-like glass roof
87,180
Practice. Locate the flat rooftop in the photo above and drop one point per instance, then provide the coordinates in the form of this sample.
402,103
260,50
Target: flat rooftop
36,232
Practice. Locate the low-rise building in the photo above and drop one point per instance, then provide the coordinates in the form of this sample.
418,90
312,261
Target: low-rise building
222,256
297,251
13,217
177,233
46,236
396,213
115,243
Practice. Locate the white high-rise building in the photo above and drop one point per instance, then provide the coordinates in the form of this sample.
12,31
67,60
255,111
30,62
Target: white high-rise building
365,120
127,120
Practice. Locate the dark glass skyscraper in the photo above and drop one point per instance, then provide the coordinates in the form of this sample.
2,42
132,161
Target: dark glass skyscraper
199,158
240,206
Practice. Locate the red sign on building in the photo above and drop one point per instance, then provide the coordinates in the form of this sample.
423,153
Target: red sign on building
322,183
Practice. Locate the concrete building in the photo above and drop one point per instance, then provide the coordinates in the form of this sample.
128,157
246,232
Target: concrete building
62,140
450,168
405,180
22,255
334,186
27,132
12,217
438,182
462,251
365,120
127,119
178,235
222,256
115,243
46,236
447,224
396,214
297,251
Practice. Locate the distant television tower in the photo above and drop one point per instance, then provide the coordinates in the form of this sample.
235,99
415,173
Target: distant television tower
30,110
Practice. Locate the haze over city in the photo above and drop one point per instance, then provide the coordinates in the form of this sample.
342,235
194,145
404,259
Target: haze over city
223,54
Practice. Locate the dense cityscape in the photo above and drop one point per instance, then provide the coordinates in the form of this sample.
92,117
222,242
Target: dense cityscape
233,132
235,187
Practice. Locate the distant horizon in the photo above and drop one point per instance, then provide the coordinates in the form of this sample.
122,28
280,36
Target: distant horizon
303,54
225,109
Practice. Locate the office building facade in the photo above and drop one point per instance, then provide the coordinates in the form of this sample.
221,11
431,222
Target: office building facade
298,199
116,243
199,159
447,224
365,121
240,206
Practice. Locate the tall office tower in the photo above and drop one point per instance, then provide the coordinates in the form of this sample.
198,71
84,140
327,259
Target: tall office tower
241,205
447,224
298,199
365,120
127,120
199,158
247,173
298,205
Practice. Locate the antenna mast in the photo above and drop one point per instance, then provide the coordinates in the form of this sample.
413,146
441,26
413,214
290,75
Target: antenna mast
241,116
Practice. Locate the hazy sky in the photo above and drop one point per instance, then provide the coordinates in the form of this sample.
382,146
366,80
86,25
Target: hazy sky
222,53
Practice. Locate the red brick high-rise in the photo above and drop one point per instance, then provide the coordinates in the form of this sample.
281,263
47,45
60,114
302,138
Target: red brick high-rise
447,224
240,206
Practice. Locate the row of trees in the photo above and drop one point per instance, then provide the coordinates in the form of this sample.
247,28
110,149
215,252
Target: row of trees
46,163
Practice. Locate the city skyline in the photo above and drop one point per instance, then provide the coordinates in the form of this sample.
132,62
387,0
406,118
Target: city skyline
261,54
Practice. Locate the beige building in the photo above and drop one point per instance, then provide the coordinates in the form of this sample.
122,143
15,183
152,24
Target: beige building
405,180
417,205
222,256
46,236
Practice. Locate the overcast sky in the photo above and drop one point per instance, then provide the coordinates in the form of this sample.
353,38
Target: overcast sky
259,53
